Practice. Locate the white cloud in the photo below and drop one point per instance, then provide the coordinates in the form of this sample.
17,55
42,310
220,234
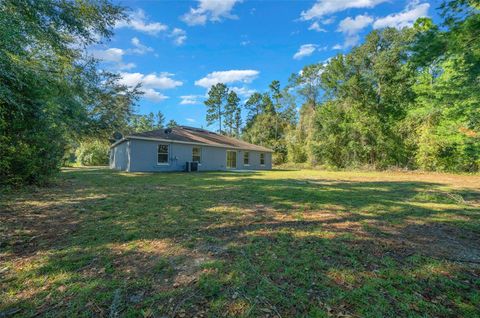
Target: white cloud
151,83
179,36
305,50
161,81
350,41
405,18
210,10
315,26
113,57
109,55
125,66
137,20
190,120
243,91
244,76
153,95
351,27
139,47
328,21
324,7
190,99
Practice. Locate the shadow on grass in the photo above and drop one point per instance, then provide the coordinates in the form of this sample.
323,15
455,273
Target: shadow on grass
241,245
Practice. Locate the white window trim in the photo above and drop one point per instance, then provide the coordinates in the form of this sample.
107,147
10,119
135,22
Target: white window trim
246,164
226,159
201,155
262,165
168,156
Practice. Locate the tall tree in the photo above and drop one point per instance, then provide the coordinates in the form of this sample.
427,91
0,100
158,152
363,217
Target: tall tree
366,95
444,125
172,124
216,103
51,91
151,121
238,121
254,105
276,97
232,109
160,117
307,84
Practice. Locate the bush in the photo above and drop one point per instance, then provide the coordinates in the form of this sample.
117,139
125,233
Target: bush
30,155
92,153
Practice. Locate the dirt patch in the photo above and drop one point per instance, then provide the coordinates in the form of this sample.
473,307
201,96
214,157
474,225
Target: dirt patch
443,241
38,222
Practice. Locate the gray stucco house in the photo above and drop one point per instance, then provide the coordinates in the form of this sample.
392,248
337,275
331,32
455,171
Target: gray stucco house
170,149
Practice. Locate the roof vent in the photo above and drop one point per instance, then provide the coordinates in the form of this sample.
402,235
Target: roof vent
168,131
117,135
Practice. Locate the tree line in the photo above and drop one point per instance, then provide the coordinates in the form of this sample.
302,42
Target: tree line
407,98
403,98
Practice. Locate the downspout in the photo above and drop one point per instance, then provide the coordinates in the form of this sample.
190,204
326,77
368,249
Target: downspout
128,156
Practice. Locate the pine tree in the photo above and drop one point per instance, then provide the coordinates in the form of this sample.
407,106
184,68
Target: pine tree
238,121
172,123
160,120
231,109
216,102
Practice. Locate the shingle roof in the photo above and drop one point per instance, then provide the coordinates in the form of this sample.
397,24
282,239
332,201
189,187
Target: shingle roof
185,134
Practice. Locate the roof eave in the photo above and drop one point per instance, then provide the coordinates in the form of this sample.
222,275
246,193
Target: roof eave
118,142
188,143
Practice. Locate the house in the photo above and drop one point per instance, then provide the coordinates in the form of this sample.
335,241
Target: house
170,149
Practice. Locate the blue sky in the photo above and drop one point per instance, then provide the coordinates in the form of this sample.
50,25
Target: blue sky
178,49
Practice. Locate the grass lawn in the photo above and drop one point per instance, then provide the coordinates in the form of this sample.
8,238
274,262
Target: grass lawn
270,244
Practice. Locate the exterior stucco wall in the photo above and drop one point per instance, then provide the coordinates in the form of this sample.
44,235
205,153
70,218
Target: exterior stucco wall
254,160
143,157
119,156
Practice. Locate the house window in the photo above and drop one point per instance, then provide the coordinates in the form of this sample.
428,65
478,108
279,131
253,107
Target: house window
246,158
196,154
262,159
231,159
162,158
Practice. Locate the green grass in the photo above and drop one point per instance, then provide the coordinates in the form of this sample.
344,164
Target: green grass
274,243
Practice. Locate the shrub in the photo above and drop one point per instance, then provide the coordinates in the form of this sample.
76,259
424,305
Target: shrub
92,153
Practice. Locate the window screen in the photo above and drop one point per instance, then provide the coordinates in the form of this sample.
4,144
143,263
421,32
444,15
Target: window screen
162,154
246,158
196,154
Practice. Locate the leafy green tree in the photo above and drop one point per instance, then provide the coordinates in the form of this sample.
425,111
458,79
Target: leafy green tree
253,105
51,91
151,121
307,84
216,103
92,152
444,125
172,124
367,94
271,115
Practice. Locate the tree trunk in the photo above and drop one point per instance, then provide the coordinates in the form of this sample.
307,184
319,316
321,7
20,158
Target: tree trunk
220,120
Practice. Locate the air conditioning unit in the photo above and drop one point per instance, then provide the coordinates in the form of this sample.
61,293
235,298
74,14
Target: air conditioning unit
191,166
